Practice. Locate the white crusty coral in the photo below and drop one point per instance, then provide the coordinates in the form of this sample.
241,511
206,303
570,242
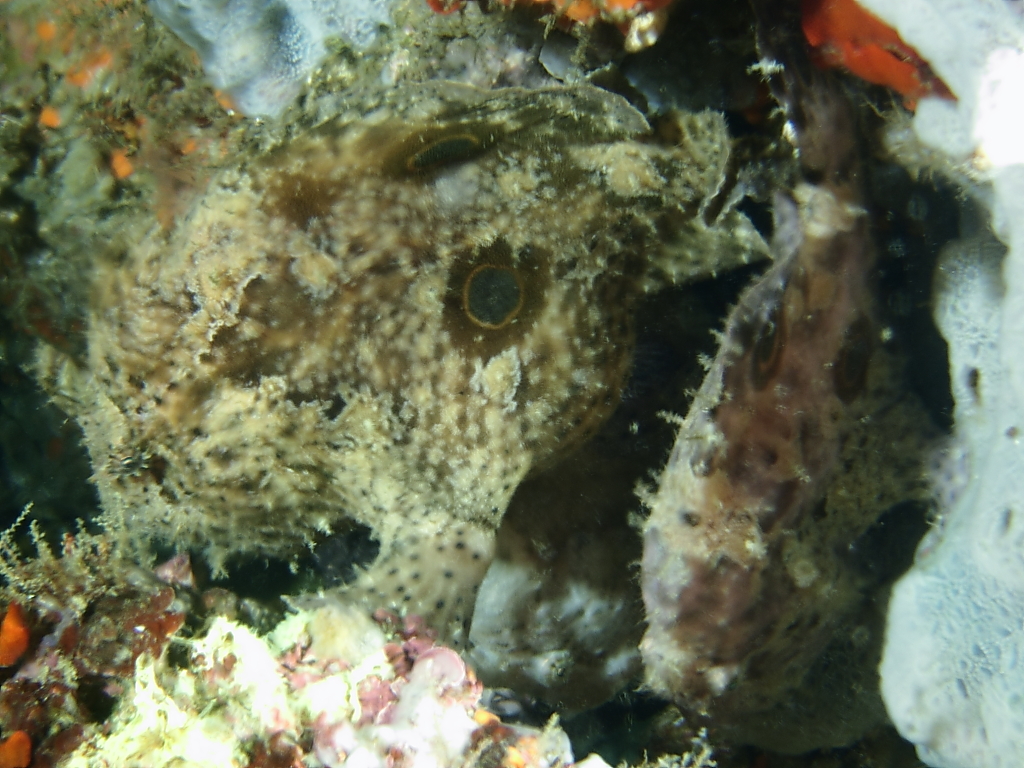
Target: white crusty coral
327,687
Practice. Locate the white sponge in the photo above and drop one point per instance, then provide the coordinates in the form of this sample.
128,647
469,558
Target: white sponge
953,664
261,51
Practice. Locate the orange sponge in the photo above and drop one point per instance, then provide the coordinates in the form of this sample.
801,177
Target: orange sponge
13,635
845,35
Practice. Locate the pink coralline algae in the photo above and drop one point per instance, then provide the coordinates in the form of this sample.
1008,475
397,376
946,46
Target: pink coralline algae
419,714
329,686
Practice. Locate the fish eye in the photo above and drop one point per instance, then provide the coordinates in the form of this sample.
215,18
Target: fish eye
447,151
492,296
767,349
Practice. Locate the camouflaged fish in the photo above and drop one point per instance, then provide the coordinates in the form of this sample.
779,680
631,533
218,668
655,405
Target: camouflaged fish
739,563
387,321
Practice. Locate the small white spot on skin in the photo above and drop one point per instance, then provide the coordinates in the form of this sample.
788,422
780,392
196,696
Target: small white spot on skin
457,188
499,380
621,663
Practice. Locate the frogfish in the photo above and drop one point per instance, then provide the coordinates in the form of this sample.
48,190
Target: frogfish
382,323
740,571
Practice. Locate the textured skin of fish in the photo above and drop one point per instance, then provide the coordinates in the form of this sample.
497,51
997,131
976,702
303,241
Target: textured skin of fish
760,442
383,323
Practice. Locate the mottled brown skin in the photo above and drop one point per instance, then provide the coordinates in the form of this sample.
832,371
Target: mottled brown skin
386,322
739,583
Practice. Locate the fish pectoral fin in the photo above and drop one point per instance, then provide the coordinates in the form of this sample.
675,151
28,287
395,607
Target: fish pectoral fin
432,575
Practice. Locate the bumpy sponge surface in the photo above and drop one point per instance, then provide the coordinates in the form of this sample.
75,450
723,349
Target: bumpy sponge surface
953,666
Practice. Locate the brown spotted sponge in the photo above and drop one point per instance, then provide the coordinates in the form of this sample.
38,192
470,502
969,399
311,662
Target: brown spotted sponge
387,321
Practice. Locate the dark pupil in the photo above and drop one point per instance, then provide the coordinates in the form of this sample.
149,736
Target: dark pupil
492,295
851,366
445,152
767,352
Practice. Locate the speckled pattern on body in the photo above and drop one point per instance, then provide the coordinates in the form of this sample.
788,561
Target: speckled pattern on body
388,321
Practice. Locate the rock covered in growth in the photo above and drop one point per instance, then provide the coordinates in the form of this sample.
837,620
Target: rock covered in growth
387,321
91,615
557,617
327,687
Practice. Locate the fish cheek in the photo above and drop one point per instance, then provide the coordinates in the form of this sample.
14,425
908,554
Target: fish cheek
850,370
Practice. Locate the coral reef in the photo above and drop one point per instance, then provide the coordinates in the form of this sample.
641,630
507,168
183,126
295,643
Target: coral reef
388,321
92,613
422,323
109,680
326,687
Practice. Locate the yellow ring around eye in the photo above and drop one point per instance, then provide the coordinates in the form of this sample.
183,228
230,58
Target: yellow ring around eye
492,296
